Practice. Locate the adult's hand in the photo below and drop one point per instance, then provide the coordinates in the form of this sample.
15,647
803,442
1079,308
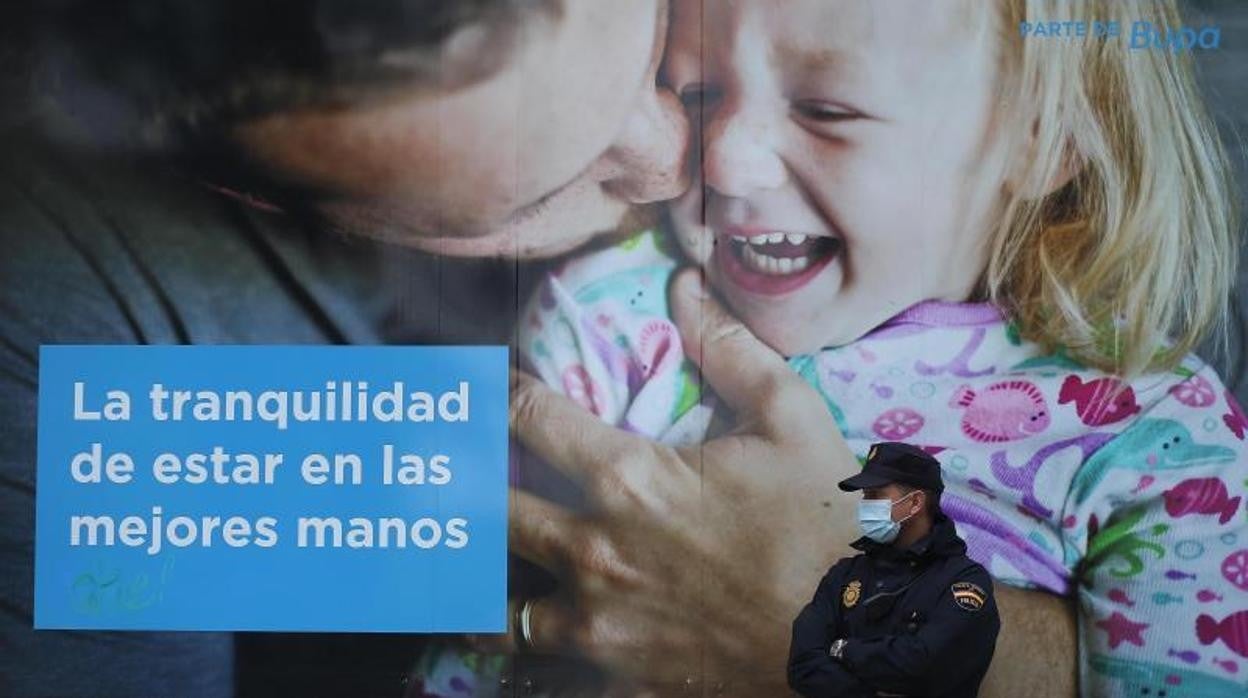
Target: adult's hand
688,572
692,563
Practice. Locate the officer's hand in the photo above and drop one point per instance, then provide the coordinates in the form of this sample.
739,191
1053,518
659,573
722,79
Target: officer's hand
696,560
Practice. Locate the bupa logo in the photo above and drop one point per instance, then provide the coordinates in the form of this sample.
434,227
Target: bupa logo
1145,35
1140,36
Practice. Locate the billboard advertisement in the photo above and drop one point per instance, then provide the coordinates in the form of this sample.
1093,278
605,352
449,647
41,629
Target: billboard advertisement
586,348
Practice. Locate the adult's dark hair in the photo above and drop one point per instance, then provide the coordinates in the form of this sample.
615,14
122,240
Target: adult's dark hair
201,64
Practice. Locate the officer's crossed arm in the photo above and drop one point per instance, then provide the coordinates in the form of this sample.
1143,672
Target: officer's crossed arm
956,639
812,672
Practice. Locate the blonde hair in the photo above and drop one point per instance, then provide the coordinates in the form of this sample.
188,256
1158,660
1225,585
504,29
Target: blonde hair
1130,263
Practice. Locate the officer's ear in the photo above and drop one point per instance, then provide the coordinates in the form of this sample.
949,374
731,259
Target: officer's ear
922,501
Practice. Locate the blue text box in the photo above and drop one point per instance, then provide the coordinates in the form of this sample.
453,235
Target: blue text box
297,543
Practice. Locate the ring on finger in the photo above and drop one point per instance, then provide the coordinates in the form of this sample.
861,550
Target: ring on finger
524,624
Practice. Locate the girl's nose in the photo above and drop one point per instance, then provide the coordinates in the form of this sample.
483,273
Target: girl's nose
738,154
647,161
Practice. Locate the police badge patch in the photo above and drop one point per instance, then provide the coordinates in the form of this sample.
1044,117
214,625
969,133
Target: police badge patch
852,591
968,596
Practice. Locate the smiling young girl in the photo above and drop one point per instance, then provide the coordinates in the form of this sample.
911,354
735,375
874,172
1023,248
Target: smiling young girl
1000,248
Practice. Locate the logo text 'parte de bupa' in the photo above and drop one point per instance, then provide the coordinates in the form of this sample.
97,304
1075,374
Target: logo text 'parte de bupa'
1140,36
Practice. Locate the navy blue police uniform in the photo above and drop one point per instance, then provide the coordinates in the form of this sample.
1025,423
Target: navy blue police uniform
917,621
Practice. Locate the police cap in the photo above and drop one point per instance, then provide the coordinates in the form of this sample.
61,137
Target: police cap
894,462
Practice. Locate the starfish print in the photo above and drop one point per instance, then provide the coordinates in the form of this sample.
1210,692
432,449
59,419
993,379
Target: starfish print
1120,629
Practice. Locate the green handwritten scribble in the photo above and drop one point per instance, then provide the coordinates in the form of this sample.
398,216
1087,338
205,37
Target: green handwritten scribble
104,589
90,587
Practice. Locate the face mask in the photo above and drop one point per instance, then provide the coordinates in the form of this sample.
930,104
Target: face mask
875,517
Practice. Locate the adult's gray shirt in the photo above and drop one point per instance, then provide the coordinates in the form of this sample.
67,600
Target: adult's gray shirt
101,248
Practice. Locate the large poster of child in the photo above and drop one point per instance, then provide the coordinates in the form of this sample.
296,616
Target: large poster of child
732,245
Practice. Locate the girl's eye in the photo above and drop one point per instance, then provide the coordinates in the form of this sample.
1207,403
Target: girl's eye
823,112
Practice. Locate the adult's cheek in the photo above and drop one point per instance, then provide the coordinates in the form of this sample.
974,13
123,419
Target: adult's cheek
647,162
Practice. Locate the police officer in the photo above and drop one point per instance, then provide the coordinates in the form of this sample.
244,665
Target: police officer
911,615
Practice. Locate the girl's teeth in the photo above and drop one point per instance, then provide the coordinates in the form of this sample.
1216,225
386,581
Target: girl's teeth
776,266
772,238
758,261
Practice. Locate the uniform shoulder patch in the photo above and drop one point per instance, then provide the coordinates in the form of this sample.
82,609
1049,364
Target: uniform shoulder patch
968,596
853,590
